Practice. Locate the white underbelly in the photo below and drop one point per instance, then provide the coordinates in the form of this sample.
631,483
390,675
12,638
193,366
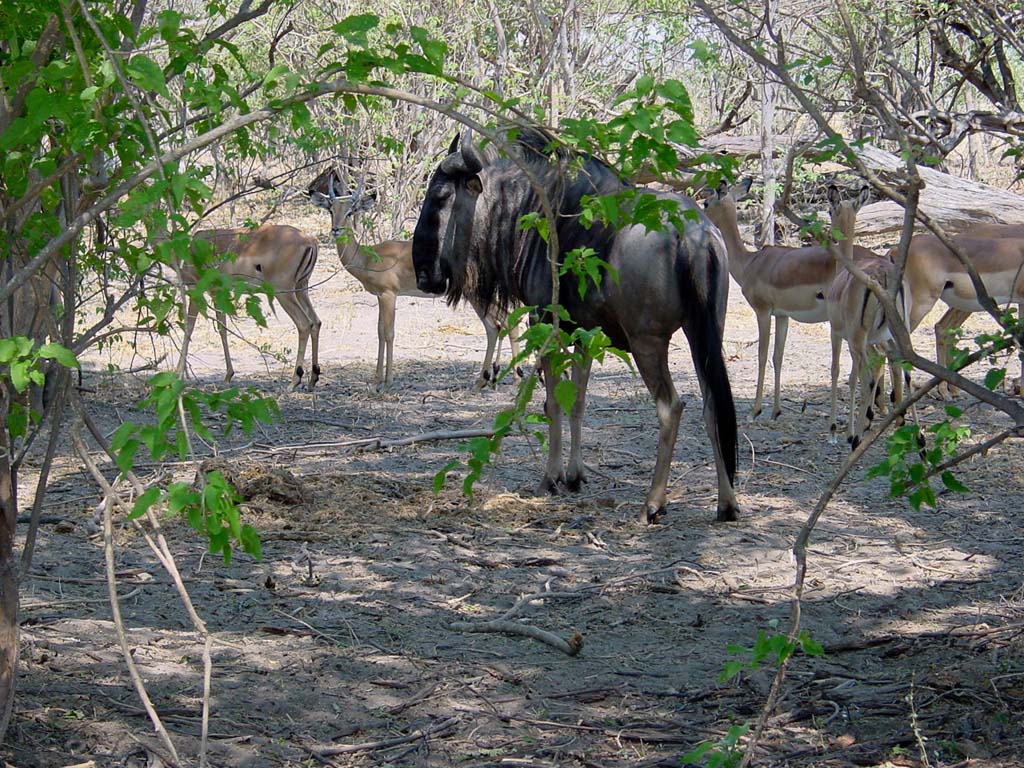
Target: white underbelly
960,294
817,315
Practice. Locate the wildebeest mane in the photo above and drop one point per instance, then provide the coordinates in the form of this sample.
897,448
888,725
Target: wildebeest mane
520,271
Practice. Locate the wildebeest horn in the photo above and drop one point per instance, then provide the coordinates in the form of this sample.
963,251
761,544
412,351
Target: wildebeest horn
470,155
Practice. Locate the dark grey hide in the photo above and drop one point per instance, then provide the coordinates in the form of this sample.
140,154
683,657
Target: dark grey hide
467,244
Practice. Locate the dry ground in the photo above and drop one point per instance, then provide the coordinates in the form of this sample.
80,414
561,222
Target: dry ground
339,647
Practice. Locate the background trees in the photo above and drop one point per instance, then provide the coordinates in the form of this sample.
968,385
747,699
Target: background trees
124,124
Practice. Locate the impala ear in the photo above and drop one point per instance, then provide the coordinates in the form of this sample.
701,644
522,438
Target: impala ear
833,196
742,191
319,199
863,197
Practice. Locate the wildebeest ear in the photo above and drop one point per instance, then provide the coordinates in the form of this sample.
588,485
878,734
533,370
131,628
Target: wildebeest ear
474,185
454,146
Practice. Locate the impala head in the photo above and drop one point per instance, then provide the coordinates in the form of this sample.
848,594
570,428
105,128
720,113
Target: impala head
442,240
724,197
342,207
844,212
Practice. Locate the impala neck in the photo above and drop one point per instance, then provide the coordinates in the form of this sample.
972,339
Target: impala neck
844,219
724,215
348,248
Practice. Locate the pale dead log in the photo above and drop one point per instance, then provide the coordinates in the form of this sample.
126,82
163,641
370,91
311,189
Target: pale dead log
955,203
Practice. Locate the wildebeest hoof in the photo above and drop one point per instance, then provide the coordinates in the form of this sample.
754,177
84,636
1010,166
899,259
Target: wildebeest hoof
729,514
651,514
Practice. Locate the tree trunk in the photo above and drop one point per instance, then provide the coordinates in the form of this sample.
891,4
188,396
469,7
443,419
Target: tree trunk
766,232
8,576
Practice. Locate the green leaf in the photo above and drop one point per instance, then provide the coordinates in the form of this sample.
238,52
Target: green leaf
442,475
994,378
565,395
147,74
144,502
949,480
19,375
354,28
62,355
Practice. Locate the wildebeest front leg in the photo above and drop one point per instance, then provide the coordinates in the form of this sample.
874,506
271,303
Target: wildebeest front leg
651,357
580,376
554,474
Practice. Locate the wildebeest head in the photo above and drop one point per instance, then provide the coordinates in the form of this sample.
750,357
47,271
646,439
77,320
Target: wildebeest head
442,241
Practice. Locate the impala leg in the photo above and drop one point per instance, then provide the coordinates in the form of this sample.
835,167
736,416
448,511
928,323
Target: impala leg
1018,384
513,343
222,328
190,323
953,319
781,331
764,333
837,349
313,323
385,339
896,373
291,306
554,474
580,377
491,329
855,364
651,355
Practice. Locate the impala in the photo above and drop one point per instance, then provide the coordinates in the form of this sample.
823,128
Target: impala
857,316
776,281
276,254
934,272
386,270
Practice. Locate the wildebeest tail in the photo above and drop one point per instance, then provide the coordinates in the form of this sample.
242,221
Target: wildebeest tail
705,339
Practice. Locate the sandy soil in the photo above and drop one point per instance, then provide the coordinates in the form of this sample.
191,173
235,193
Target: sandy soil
340,648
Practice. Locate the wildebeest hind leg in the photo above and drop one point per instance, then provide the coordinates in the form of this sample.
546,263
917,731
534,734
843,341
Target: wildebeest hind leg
651,355
554,474
580,376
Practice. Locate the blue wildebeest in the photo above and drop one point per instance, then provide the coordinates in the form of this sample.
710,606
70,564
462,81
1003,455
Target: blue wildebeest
467,243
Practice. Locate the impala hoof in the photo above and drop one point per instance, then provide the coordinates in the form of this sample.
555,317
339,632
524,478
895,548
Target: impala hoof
550,486
729,514
650,514
314,377
575,483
